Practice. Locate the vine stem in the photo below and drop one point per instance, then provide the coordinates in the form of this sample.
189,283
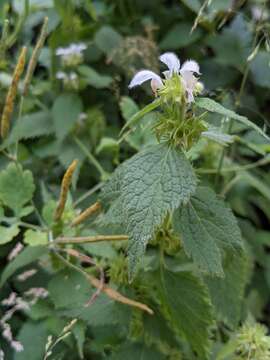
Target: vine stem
91,158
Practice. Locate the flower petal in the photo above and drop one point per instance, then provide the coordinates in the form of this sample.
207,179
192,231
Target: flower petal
171,60
144,75
191,66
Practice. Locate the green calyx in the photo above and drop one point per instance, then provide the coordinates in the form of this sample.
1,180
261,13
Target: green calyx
177,124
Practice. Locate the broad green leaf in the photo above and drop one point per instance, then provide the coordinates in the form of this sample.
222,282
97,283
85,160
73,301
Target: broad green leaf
213,106
128,107
217,136
136,117
35,238
227,293
107,39
179,36
186,304
8,233
93,78
256,183
66,111
107,144
32,125
137,351
33,336
206,225
152,183
69,289
16,186
25,257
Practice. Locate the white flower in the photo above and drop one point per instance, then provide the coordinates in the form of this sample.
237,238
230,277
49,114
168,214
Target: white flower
72,49
186,74
71,55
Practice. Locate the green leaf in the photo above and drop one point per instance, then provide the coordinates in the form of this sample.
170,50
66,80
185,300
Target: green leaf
8,233
206,225
227,294
66,110
69,289
107,39
217,136
16,187
79,332
93,78
33,336
107,144
35,238
213,106
137,351
148,186
128,107
187,307
136,117
179,36
25,257
32,125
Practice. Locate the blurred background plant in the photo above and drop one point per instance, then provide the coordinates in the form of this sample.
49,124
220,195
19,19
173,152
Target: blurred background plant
77,103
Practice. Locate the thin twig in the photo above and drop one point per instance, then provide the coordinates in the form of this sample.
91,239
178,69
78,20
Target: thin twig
90,239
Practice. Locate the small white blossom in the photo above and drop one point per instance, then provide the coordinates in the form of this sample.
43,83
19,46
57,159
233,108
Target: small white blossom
26,274
15,251
185,73
71,55
17,346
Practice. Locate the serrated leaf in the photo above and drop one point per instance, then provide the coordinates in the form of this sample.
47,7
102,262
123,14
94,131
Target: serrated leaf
16,186
227,294
8,233
32,125
66,110
147,186
25,257
35,238
187,307
137,351
206,225
213,106
93,78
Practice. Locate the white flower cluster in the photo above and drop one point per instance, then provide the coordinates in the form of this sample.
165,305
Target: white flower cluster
71,55
185,72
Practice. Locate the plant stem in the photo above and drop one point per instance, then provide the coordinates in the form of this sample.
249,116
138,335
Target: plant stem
18,121
88,193
90,239
92,159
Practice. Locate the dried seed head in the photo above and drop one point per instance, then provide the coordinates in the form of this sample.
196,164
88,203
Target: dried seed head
34,58
86,213
11,95
64,190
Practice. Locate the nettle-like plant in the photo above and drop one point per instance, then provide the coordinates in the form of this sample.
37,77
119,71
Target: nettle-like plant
162,269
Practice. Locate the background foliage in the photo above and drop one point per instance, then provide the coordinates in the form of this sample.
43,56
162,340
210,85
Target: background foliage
75,110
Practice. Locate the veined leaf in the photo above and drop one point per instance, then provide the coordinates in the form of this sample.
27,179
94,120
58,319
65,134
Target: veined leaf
206,225
213,106
136,117
227,294
188,308
147,187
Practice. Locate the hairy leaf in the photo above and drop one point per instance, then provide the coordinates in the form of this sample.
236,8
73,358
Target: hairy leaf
213,106
227,294
187,306
206,225
154,182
